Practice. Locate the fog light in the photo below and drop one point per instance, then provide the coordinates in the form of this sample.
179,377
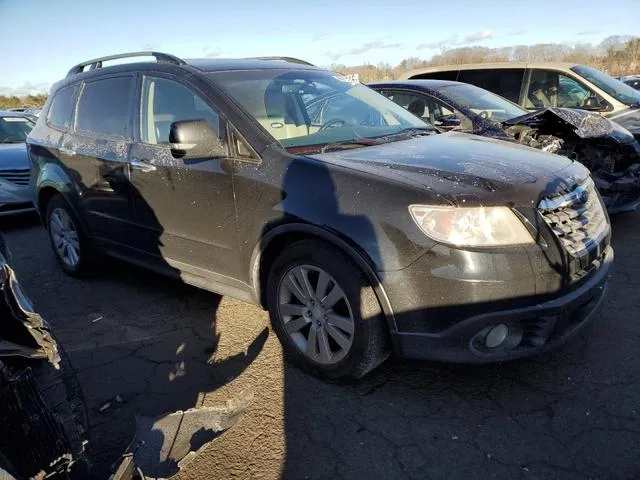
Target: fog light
496,336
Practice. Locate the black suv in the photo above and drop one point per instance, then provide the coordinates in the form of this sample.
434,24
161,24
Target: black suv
356,224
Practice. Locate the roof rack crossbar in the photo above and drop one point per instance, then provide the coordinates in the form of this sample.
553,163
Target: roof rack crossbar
97,62
285,59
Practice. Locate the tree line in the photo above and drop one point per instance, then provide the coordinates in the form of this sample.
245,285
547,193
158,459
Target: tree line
615,55
28,101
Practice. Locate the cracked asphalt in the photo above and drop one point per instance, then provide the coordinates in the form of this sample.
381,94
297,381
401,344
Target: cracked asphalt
143,344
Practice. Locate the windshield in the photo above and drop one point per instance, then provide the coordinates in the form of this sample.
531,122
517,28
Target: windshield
482,102
303,108
14,129
617,89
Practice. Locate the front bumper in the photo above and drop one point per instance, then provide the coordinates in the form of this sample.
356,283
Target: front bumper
536,328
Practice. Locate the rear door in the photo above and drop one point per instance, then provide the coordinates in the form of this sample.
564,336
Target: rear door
185,209
96,155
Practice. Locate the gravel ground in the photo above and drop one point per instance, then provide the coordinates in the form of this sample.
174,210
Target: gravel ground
150,345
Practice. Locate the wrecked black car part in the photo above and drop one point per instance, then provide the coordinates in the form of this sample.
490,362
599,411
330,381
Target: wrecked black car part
608,150
42,410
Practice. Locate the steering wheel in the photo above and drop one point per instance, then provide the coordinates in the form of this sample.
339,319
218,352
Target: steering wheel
336,122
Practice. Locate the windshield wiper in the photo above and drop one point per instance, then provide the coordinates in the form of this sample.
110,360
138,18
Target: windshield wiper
362,142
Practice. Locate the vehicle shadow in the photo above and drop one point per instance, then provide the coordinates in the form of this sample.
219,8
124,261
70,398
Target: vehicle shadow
143,346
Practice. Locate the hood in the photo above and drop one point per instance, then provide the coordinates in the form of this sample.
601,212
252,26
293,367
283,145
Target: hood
461,167
13,156
628,119
582,123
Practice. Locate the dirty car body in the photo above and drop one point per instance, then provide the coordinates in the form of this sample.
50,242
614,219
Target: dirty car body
606,148
306,207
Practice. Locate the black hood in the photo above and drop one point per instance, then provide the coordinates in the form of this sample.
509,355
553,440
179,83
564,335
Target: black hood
466,168
582,123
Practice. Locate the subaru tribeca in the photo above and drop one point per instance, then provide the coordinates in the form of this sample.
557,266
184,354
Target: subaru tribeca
359,227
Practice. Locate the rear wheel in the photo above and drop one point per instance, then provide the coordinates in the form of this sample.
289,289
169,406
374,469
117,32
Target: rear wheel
71,246
325,312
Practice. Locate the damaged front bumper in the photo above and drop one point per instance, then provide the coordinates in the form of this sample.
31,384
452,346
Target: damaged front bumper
610,151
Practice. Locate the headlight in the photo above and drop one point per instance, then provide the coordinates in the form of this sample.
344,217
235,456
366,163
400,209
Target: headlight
471,227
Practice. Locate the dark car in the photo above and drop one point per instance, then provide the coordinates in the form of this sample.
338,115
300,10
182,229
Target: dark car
359,227
610,151
15,194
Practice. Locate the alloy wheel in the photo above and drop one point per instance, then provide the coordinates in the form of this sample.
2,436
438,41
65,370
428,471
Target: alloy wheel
65,237
316,313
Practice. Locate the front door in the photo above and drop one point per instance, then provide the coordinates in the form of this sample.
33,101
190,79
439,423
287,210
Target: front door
96,156
185,209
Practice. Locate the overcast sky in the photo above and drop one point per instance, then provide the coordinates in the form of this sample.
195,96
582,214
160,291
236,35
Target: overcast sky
42,39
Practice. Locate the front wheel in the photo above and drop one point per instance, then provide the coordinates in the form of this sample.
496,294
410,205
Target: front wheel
325,312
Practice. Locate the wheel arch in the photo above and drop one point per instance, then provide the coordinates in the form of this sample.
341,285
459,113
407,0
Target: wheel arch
274,241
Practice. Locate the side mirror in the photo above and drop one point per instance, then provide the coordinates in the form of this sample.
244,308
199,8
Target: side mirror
195,139
448,121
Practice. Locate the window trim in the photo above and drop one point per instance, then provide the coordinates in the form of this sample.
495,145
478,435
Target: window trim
70,128
98,135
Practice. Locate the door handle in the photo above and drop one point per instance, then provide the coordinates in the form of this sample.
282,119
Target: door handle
142,166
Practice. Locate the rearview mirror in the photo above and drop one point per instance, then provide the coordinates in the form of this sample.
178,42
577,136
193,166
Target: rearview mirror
195,139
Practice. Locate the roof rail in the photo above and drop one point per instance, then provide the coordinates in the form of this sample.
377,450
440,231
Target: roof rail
97,62
284,59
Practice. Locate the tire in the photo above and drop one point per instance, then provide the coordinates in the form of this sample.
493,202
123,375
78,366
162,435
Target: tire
58,210
294,315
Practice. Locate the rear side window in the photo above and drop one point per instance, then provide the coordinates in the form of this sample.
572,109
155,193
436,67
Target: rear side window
450,75
61,109
105,107
505,82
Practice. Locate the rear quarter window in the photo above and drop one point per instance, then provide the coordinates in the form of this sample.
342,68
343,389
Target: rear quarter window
61,110
506,82
105,107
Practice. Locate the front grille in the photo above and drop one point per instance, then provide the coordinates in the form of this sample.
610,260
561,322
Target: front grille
577,219
17,177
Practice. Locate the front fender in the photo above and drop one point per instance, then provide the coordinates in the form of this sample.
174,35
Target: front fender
359,257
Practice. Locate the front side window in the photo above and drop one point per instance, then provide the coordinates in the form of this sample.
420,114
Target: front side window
482,102
105,107
14,129
302,108
506,82
61,110
166,101
431,110
549,88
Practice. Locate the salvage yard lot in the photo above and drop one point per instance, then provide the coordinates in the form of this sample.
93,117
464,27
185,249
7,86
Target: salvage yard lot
145,344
